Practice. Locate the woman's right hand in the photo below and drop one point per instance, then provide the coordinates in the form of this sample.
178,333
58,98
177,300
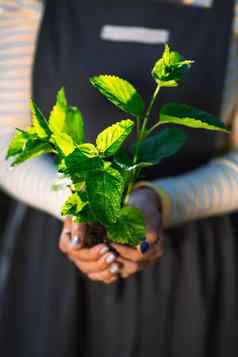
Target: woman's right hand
98,263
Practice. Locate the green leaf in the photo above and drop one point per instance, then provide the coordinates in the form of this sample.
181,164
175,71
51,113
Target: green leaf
66,119
182,114
105,188
164,144
120,92
64,142
82,159
129,229
170,68
88,150
111,139
58,114
39,122
18,143
75,204
74,125
32,149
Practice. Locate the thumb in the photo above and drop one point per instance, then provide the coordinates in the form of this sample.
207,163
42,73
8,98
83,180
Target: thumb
78,235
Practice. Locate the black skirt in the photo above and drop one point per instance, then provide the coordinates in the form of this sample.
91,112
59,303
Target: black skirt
184,306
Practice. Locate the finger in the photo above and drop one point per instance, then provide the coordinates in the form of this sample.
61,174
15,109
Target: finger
136,255
65,235
127,252
90,254
78,232
71,238
128,267
107,274
96,266
67,223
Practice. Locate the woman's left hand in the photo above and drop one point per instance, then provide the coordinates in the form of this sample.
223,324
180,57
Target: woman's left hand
152,248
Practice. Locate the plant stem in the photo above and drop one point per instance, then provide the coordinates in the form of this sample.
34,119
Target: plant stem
152,128
141,133
147,114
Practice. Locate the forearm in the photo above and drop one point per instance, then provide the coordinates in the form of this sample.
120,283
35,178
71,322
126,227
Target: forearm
32,182
208,191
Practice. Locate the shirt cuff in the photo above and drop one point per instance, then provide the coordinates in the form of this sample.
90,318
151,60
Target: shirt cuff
165,198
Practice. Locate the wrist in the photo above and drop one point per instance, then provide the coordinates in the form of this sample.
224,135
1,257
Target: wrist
163,200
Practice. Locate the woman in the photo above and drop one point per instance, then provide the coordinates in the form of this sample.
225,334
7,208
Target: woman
186,305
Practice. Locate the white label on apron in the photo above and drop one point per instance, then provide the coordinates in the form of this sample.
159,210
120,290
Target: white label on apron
134,34
202,3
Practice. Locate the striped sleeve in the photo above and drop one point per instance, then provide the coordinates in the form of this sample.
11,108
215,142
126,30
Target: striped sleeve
32,181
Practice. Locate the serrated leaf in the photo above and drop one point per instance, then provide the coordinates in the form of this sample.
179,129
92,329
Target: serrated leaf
170,68
74,204
164,144
182,114
61,98
39,122
129,229
111,139
32,149
64,142
105,188
88,150
18,143
58,113
74,125
82,159
66,119
120,92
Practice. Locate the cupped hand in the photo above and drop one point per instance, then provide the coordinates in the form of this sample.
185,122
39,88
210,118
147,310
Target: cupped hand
152,248
98,263
106,263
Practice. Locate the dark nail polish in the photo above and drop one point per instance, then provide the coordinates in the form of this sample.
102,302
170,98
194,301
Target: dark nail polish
144,247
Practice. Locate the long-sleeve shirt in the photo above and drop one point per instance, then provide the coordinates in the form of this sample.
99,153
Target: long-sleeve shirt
210,190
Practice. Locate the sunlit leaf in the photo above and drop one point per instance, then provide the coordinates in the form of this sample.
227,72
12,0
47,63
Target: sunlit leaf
75,204
182,114
39,122
170,68
129,229
120,92
111,139
64,142
32,149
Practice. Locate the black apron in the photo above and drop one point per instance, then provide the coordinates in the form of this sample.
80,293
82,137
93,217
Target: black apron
187,304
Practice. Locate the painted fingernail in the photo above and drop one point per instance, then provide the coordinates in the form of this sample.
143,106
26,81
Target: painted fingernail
75,241
114,269
144,247
110,258
103,250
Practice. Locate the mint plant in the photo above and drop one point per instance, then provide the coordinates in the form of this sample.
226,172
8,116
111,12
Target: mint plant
102,175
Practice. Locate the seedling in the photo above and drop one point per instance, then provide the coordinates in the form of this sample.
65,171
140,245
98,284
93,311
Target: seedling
102,175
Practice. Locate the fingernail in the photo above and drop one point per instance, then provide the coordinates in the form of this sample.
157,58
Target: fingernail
114,268
144,247
75,241
103,250
110,258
